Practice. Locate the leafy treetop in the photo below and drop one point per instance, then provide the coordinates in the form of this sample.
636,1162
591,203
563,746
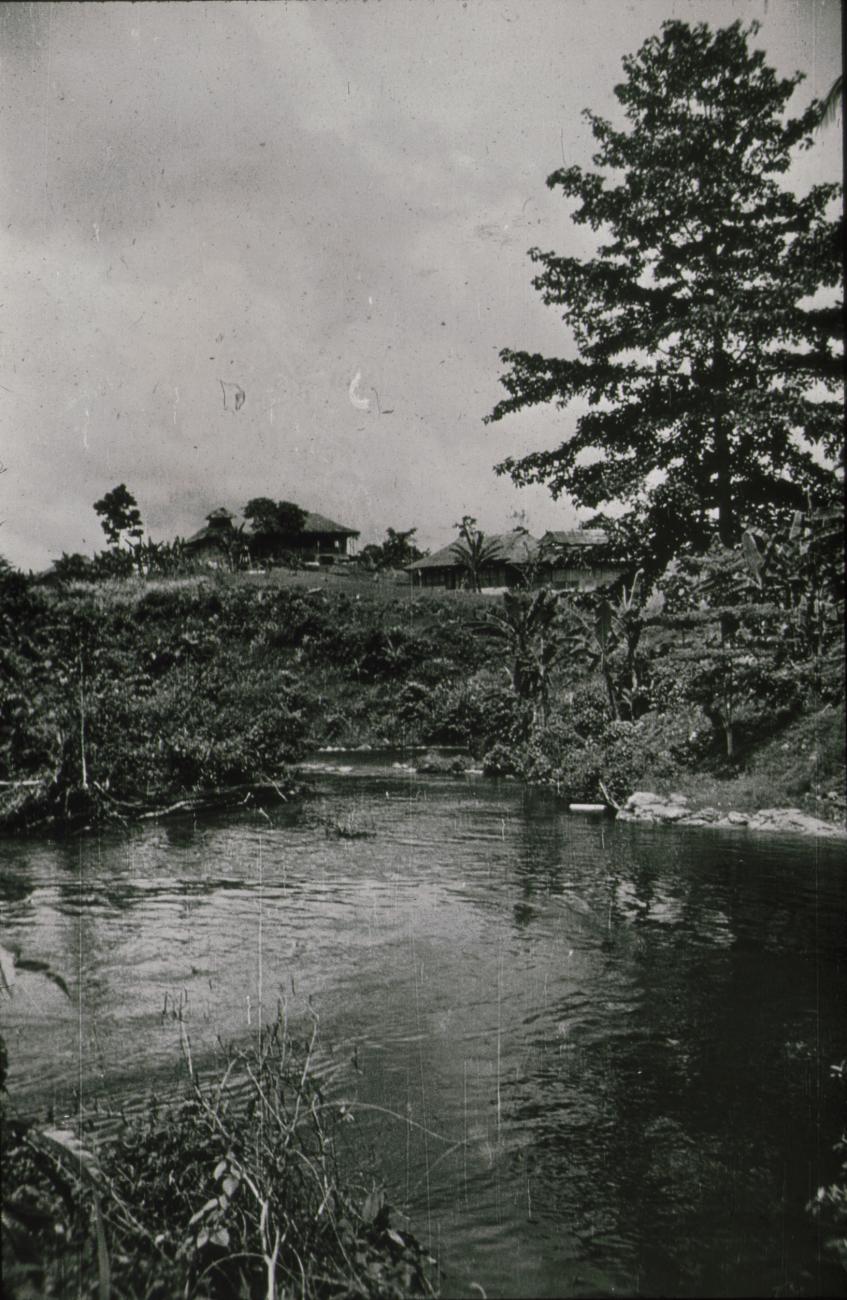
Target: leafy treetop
120,517
397,551
275,518
712,382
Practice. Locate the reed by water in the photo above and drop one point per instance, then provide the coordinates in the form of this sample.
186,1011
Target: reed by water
232,1191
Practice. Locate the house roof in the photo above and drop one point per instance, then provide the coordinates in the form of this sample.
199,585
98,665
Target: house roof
208,534
315,523
577,537
512,548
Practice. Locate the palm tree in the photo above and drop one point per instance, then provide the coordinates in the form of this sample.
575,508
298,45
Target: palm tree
473,551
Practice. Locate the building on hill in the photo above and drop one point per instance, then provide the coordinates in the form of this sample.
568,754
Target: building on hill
212,545
576,560
320,541
508,566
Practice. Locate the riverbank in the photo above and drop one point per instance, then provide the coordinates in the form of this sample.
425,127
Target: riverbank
229,1192
803,759
42,807
124,699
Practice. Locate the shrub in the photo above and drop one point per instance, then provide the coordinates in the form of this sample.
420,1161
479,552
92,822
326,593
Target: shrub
477,713
504,760
588,711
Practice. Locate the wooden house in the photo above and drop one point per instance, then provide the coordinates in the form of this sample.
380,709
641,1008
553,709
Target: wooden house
574,560
321,540
577,560
508,566
212,545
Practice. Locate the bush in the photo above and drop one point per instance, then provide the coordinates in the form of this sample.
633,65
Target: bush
588,711
558,757
504,760
192,730
477,713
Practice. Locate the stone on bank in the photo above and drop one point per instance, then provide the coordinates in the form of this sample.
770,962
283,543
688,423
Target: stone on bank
644,806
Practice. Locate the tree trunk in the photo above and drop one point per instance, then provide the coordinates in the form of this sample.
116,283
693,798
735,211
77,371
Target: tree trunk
83,764
727,529
610,691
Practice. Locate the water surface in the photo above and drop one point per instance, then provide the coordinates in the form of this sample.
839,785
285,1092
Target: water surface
618,1038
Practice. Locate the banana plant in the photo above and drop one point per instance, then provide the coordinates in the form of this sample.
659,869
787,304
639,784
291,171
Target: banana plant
613,625
527,625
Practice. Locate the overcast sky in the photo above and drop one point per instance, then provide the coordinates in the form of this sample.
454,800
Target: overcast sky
328,204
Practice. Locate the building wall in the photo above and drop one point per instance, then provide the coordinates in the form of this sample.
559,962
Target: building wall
324,547
455,579
564,578
575,578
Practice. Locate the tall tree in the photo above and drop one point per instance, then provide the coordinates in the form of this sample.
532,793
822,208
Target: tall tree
711,381
120,517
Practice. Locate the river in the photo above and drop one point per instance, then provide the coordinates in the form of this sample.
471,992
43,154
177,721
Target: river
617,1039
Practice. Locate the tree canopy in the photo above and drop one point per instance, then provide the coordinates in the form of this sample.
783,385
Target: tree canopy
396,552
275,519
120,517
700,342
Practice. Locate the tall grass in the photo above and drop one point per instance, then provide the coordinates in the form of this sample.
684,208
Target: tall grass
234,1191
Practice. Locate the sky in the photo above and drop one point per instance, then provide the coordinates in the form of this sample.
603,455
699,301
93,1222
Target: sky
324,205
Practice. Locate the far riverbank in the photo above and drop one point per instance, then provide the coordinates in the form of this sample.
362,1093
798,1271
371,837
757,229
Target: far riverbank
124,699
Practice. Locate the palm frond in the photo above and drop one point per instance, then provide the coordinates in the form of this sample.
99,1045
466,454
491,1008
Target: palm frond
831,102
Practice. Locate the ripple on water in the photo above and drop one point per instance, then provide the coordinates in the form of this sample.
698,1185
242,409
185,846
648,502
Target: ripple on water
606,1039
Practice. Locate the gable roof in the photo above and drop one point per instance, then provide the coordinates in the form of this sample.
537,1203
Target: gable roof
577,537
315,523
206,534
512,548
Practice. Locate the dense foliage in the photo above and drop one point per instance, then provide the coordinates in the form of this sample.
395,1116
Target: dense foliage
275,525
713,385
130,694
126,694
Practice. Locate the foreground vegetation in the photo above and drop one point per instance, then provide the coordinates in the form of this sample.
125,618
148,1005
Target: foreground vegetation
129,695
235,1191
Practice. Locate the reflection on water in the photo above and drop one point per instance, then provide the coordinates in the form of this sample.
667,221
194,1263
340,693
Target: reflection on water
616,1040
